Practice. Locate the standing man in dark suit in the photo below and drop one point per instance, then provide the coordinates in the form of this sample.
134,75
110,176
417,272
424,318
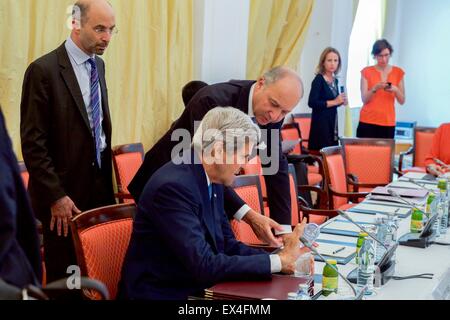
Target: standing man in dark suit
182,241
20,262
267,100
66,131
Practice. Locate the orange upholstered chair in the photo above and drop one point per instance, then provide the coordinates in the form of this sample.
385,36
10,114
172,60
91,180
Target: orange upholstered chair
249,189
304,123
24,173
298,212
127,159
368,162
423,138
291,133
336,180
101,237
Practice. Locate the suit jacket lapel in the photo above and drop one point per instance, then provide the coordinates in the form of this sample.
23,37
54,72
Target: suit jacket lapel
242,102
208,214
72,83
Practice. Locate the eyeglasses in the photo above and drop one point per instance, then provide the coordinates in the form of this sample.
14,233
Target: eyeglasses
103,30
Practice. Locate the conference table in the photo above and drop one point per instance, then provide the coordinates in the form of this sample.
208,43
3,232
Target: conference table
410,261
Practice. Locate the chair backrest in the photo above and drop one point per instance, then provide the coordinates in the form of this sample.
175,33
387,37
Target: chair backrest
291,132
249,189
371,160
254,167
296,216
423,139
101,237
24,173
127,159
304,122
334,168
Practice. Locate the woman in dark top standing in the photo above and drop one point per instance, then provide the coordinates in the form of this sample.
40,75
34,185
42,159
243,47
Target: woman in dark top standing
324,99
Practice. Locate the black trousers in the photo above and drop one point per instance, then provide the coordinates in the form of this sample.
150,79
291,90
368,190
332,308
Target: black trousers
366,130
59,251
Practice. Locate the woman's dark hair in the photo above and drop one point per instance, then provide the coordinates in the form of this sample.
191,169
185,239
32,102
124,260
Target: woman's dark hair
380,45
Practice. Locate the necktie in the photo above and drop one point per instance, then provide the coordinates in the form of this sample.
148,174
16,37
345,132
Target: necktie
210,191
95,105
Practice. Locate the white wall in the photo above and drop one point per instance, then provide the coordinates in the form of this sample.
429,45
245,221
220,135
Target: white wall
331,25
220,37
421,42
317,39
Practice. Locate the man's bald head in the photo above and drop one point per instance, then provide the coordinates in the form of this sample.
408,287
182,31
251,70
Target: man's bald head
82,7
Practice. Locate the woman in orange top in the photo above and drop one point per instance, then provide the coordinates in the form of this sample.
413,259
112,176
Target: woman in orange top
381,85
440,149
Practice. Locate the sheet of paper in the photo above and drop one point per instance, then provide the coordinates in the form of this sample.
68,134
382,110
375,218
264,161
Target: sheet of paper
415,175
342,226
409,185
381,209
339,238
361,217
330,249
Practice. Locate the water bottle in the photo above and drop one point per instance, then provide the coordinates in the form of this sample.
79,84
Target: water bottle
382,231
303,293
442,185
366,265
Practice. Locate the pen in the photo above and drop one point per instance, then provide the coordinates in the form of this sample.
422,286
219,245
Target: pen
338,250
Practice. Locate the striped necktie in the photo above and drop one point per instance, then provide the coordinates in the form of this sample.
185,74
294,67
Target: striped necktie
95,105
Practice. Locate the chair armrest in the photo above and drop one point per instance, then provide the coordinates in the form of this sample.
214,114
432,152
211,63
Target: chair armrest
322,195
349,195
56,288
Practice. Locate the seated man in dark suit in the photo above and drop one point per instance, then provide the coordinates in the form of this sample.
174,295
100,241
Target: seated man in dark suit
20,262
267,100
182,241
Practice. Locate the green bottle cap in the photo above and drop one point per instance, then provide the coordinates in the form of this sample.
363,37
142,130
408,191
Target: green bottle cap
363,234
442,184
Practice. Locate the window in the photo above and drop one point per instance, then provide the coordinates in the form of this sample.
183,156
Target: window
367,28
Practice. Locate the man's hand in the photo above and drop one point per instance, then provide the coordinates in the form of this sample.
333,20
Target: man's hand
62,211
262,227
291,250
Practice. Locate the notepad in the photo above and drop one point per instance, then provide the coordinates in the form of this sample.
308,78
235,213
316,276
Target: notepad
329,249
415,175
334,238
343,226
361,217
374,208
410,193
409,185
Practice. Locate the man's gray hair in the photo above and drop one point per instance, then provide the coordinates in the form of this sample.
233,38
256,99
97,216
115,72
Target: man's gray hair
228,125
278,73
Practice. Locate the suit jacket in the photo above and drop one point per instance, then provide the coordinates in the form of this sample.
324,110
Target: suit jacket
323,119
182,241
57,142
229,94
19,244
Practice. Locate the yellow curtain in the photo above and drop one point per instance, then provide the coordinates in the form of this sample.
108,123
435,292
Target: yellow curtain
147,62
277,32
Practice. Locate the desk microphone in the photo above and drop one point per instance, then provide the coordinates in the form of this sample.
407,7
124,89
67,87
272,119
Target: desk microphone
396,195
311,247
441,163
347,217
